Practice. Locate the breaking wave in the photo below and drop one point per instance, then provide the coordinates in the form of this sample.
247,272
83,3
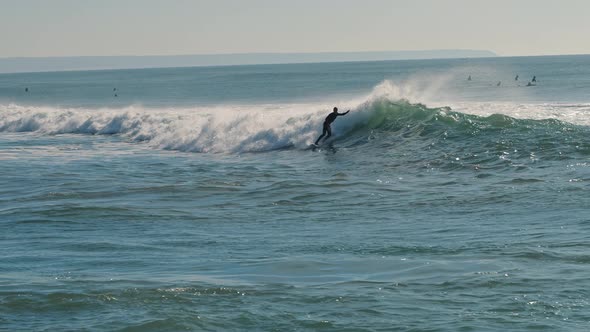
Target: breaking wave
384,115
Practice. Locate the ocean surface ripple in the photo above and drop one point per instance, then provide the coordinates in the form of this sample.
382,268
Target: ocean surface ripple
428,210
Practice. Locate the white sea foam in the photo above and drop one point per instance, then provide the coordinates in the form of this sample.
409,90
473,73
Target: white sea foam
250,128
212,129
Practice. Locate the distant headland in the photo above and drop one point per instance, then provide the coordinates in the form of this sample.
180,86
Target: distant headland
42,64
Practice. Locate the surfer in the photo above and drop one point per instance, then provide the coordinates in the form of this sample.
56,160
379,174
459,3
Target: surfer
329,119
516,78
534,79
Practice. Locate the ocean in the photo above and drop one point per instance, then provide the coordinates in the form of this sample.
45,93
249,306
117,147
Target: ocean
189,199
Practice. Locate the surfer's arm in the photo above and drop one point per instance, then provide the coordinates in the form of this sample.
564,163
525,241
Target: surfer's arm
344,113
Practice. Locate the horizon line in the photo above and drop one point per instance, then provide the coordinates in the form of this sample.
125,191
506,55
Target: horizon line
106,62
251,53
495,54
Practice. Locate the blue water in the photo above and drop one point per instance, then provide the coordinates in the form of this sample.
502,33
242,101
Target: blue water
191,200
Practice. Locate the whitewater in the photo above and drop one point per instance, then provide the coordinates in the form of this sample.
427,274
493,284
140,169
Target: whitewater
189,199
254,128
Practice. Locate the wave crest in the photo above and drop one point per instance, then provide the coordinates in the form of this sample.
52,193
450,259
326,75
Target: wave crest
255,128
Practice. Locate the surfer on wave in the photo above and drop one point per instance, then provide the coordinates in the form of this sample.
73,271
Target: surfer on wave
329,119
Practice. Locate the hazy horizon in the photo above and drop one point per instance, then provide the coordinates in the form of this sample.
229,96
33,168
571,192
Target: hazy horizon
250,53
16,65
43,64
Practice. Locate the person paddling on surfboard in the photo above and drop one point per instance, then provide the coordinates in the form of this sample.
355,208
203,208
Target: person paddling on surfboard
329,119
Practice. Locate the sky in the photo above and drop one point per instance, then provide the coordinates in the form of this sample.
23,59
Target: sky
41,28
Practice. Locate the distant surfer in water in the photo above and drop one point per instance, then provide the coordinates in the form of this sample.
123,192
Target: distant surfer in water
329,119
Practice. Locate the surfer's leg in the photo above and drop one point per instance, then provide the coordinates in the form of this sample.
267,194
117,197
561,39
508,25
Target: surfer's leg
319,138
324,131
329,130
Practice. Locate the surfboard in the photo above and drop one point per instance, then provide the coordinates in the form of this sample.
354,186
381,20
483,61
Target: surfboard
324,143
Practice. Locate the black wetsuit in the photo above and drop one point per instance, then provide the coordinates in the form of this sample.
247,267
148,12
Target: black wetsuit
327,130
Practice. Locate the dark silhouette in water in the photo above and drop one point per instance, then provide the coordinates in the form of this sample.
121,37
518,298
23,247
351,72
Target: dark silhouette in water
499,82
469,78
516,78
534,79
26,89
329,119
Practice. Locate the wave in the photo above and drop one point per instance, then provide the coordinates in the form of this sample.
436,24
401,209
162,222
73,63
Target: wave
383,115
213,129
